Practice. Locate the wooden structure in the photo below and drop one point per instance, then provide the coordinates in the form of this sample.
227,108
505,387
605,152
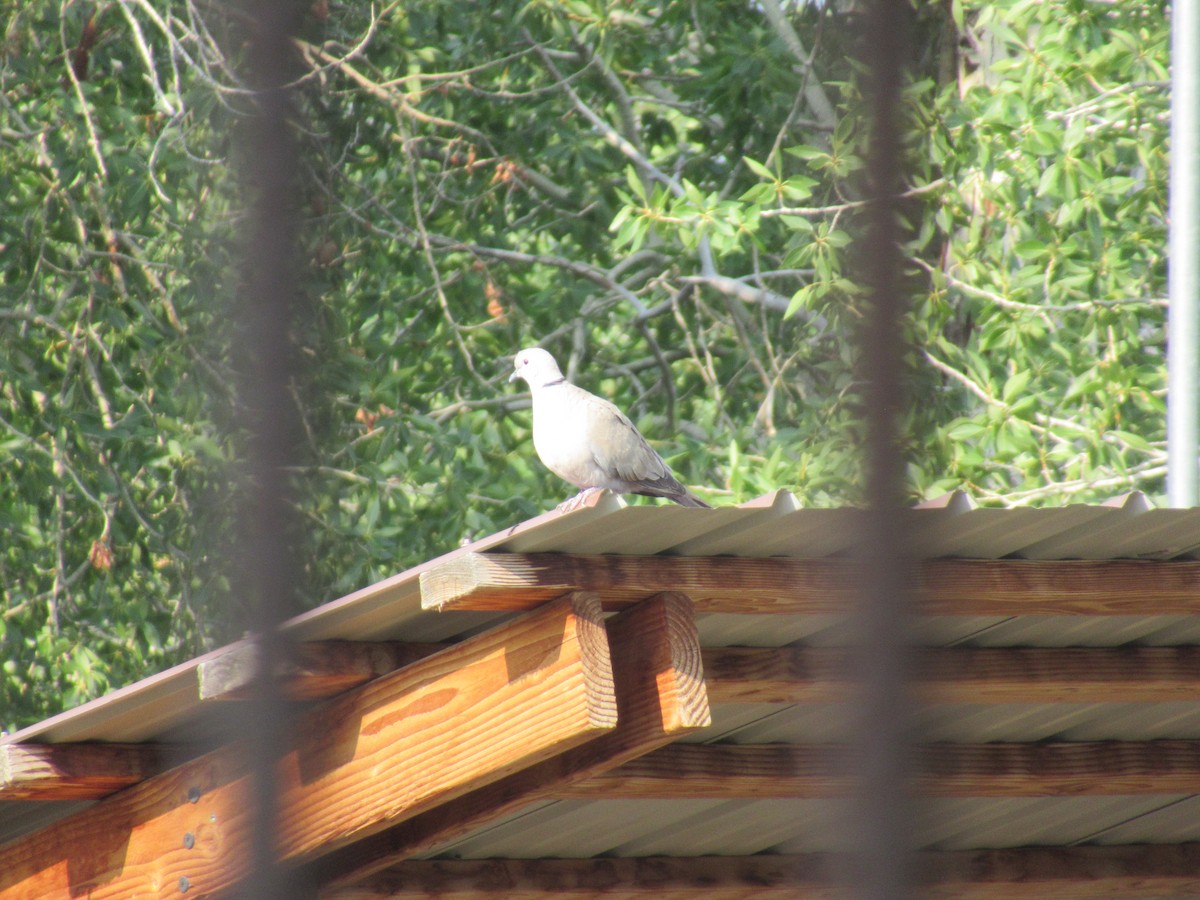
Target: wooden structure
646,701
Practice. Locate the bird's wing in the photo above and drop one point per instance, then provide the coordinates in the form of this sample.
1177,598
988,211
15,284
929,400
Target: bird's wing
623,455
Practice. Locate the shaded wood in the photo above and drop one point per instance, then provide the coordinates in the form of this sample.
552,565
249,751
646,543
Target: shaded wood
963,675
722,771
669,878
73,771
775,675
1059,675
478,711
509,581
737,771
1094,768
960,675
784,586
1148,870
1139,870
660,696
318,669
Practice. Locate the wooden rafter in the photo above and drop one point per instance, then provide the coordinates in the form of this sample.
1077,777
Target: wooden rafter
660,697
669,878
728,771
785,675
343,819
796,674
784,586
474,713
1146,870
1061,872
964,675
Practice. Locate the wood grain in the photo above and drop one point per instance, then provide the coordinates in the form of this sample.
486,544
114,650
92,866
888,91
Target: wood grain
785,586
1066,769
507,581
1070,873
963,675
660,696
668,878
74,771
769,675
1064,873
318,670
476,712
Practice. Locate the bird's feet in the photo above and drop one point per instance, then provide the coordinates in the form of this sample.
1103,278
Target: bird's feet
572,504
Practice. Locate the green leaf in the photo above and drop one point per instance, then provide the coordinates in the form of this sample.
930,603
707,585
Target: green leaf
1134,441
634,180
760,170
1015,386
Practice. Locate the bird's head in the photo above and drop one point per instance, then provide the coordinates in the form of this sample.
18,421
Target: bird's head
536,367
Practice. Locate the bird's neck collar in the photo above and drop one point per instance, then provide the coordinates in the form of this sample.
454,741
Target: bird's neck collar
559,380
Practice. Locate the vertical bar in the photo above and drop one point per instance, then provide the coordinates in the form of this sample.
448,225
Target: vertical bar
268,417
1183,254
881,851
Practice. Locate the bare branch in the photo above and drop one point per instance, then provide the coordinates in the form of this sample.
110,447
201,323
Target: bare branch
630,126
611,135
818,102
1037,308
746,293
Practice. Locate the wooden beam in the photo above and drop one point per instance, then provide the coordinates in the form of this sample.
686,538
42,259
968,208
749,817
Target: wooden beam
784,675
963,675
508,581
660,696
73,771
668,878
1093,768
1138,870
775,675
476,712
1060,675
318,669
738,771
1149,870
784,586
722,771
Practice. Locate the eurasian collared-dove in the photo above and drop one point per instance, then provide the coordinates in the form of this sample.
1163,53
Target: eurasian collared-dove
587,441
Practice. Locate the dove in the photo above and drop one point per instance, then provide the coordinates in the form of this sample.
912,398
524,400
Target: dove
587,441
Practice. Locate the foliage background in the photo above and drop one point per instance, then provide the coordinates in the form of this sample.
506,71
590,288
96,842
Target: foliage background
662,194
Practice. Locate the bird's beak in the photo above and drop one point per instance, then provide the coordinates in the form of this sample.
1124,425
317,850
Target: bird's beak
513,377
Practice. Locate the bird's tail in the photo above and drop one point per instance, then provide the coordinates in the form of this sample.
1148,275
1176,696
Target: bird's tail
689,499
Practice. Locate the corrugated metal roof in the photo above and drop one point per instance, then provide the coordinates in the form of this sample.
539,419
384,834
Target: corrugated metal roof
166,708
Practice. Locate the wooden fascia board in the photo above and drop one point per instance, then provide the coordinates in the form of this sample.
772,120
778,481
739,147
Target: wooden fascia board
1148,870
402,744
660,697
1069,769
785,586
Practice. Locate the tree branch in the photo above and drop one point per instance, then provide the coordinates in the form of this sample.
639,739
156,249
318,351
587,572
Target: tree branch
814,94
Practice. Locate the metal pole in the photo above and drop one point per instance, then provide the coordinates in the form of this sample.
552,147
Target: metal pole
1183,253
267,366
882,850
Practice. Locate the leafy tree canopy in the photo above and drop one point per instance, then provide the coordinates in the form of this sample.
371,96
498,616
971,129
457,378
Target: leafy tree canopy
664,195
